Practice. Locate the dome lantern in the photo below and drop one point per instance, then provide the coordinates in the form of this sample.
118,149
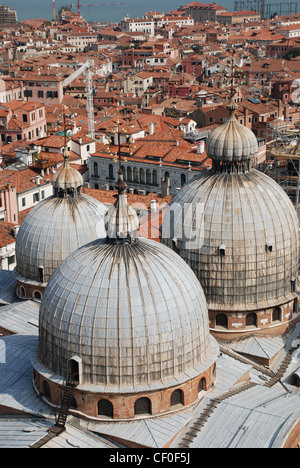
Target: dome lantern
232,146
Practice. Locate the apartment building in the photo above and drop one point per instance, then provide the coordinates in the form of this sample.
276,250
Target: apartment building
21,120
43,88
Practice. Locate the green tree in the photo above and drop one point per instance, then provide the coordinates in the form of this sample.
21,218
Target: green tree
65,8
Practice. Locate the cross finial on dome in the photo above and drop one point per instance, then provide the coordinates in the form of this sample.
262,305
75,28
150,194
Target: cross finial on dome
68,181
234,75
122,220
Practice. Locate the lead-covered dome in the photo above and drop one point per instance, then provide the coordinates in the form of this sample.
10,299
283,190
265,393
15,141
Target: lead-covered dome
238,231
232,141
55,227
130,309
135,314
239,234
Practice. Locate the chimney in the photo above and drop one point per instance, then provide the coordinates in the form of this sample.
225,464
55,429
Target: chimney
200,147
151,128
165,187
16,230
153,206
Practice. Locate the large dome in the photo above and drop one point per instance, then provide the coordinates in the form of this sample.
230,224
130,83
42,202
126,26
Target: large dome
135,314
130,311
239,234
238,231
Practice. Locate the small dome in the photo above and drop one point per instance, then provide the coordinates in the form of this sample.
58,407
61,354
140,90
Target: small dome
134,313
57,226
52,230
232,141
67,178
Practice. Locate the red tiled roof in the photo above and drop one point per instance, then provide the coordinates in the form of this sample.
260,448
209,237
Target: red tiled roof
6,233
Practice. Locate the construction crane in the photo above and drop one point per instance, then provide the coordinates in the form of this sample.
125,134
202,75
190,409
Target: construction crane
87,69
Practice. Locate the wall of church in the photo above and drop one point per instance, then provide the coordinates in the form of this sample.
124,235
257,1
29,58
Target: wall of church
126,406
272,321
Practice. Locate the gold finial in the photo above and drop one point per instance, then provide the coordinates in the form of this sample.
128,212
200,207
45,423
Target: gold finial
121,185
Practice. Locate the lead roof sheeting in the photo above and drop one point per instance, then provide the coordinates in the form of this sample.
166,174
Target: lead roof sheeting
251,419
21,432
16,373
21,318
259,346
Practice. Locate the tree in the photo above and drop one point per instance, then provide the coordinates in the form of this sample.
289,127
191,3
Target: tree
63,8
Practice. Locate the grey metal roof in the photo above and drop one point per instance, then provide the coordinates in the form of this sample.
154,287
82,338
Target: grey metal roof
20,317
259,417
8,286
107,301
259,346
244,212
16,374
21,432
53,229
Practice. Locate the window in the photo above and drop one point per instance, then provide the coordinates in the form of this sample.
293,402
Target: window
276,315
23,201
222,251
251,320
142,406
11,260
110,171
202,385
36,197
47,391
37,295
74,370
24,117
222,321
105,408
40,95
41,274
95,166
177,398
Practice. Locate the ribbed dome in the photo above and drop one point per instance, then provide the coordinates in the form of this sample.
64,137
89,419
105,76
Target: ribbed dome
57,226
239,234
52,230
67,178
134,313
232,141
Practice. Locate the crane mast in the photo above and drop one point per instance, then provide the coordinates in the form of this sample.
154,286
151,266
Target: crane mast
87,68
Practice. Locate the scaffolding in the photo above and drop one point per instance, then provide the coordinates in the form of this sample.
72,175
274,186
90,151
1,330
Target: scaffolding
283,160
267,9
